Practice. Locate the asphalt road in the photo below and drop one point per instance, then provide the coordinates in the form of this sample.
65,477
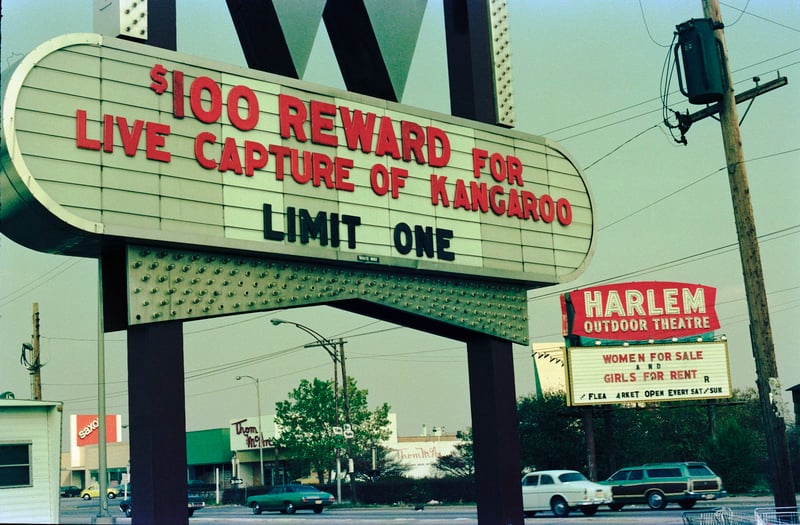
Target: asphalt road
74,511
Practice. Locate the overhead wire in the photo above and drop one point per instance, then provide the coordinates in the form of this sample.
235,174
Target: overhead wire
687,186
647,27
741,13
751,14
38,282
655,126
661,98
777,234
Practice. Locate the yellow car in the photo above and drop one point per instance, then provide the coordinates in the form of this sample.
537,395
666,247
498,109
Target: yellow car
93,491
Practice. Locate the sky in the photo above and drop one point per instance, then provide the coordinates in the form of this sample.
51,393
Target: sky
587,74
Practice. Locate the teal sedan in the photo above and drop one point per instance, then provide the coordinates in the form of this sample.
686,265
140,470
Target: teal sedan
287,499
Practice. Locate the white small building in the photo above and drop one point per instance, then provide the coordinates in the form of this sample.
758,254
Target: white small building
30,455
420,453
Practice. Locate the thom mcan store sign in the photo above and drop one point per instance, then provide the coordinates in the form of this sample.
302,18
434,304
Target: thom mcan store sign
110,139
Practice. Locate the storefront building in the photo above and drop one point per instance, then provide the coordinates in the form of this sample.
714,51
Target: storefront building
231,456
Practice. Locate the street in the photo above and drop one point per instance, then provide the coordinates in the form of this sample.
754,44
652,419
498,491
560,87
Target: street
74,511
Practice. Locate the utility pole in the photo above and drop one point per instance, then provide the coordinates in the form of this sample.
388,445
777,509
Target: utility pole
769,389
348,430
36,367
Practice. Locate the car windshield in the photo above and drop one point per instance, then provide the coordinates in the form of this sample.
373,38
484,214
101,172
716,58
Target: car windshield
571,476
303,488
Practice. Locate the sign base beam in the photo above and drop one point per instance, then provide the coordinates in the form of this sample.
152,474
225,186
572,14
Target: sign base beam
157,415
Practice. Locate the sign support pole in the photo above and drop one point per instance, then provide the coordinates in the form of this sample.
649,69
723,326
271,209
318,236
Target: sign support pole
157,416
156,391
494,430
769,390
102,447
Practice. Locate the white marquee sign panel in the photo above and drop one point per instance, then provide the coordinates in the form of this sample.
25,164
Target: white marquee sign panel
104,138
649,372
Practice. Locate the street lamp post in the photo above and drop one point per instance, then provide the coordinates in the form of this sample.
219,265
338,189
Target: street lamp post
260,427
338,359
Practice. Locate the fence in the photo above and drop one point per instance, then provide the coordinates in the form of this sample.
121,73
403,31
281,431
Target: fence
777,516
725,516
717,516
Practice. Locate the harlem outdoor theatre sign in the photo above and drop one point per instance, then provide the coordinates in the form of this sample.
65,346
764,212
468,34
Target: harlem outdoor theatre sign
106,139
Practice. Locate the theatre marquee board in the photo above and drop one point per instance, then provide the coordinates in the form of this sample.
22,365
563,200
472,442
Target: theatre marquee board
640,311
105,139
646,373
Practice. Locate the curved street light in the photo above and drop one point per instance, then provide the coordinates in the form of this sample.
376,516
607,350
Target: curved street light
337,358
260,428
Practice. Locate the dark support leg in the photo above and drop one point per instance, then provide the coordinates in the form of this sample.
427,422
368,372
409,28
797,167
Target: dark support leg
157,418
495,431
162,24
355,45
469,60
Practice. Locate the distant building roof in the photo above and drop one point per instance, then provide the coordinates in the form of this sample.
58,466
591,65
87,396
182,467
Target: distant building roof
18,403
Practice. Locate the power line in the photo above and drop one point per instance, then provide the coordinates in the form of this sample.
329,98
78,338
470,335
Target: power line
621,145
741,14
656,99
647,27
38,282
687,186
744,11
791,230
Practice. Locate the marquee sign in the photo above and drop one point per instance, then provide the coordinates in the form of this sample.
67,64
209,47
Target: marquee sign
647,373
107,139
640,311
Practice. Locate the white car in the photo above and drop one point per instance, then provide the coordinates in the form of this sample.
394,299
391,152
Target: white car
561,491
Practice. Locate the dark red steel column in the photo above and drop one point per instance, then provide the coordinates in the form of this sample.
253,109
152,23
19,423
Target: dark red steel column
469,60
157,417
495,431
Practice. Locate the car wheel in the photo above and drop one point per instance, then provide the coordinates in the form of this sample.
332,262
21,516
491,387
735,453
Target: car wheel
317,510
615,506
589,510
656,500
86,497
111,495
687,504
288,508
559,507
256,508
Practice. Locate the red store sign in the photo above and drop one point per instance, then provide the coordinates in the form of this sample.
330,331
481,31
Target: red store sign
86,429
640,311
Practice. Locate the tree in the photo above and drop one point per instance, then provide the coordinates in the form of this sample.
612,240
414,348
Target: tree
307,420
738,448
550,433
461,463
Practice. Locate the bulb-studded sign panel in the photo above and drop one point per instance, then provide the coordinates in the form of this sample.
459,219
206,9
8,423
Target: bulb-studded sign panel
105,138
